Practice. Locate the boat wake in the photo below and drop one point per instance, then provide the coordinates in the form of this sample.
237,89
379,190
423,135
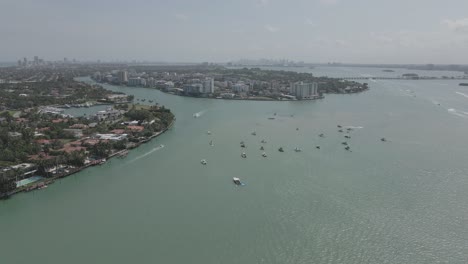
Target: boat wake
147,153
199,114
462,94
458,113
354,127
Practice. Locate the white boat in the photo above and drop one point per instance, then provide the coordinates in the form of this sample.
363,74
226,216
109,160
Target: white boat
203,161
264,155
236,181
196,115
211,143
208,132
244,155
297,149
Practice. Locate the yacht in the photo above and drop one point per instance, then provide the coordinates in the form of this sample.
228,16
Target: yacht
203,161
236,181
244,155
264,155
281,149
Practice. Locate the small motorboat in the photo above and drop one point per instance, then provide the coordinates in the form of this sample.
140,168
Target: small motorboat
196,115
339,126
317,147
271,118
281,149
344,143
242,145
236,181
383,139
297,149
349,129
274,114
347,148
243,155
262,148
341,130
322,135
347,136
254,133
264,155
211,143
297,129
203,161
208,132
263,141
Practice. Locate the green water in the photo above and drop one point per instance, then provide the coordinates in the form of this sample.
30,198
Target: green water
402,201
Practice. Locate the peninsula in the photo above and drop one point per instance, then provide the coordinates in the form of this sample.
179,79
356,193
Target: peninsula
40,143
218,82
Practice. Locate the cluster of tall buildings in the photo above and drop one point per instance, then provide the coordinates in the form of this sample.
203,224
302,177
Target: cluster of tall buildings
35,62
205,86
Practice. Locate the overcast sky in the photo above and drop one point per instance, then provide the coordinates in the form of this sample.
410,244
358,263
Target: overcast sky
353,31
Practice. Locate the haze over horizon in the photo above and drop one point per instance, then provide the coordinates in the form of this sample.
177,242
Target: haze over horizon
358,31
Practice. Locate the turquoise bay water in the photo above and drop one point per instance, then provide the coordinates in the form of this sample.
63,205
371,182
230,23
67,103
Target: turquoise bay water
402,201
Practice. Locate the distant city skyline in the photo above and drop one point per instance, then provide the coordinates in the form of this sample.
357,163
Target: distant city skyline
313,31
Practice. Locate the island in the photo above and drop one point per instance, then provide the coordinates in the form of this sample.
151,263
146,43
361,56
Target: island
219,82
40,144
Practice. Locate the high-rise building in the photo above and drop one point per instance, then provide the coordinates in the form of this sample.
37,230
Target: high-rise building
25,62
36,60
19,63
122,76
305,90
208,86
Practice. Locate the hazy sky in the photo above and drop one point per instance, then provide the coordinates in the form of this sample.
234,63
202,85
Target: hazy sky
355,31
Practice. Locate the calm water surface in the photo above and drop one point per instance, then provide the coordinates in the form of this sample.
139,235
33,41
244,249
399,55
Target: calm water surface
402,201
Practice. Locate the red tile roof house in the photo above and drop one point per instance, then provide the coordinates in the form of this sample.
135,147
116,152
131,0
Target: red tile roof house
118,131
135,128
43,141
80,126
73,146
